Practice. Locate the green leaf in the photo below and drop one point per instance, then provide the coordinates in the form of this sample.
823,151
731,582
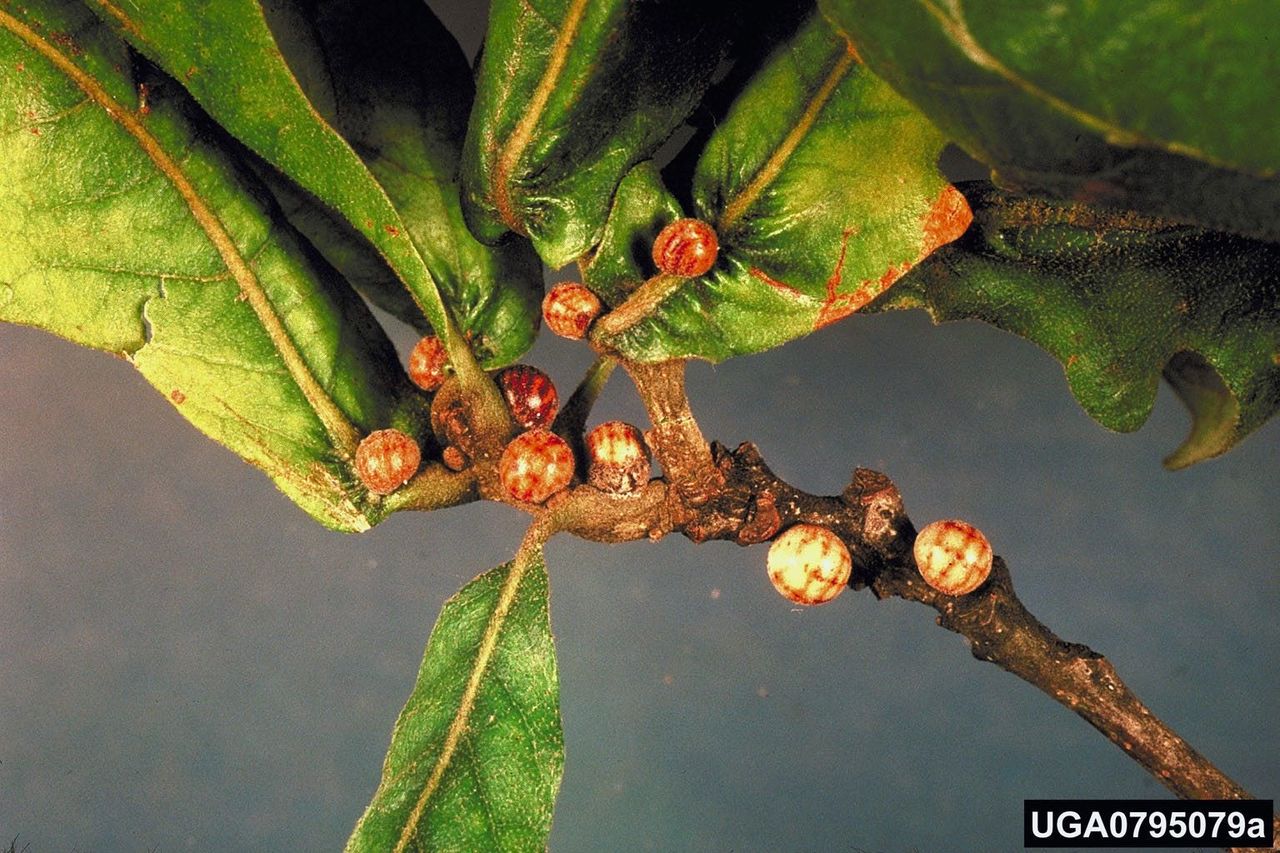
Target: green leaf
571,95
223,52
410,135
1165,106
124,228
1119,298
823,187
623,259
477,753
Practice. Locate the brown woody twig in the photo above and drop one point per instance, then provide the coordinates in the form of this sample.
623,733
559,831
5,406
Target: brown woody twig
715,493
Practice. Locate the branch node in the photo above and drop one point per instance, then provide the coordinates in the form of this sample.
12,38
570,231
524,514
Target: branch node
762,520
884,516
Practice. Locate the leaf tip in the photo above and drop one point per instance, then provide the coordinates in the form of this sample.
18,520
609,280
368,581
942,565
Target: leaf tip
1215,411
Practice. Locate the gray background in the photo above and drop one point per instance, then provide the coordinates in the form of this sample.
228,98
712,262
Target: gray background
188,662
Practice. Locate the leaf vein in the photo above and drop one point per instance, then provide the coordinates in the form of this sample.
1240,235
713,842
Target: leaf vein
335,421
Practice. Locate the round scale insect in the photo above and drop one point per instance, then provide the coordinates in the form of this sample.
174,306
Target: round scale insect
953,556
530,394
569,309
686,247
427,363
535,465
386,460
809,564
618,458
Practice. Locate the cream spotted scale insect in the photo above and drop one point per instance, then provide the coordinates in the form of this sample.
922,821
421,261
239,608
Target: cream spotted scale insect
569,309
386,460
536,465
619,461
953,556
808,564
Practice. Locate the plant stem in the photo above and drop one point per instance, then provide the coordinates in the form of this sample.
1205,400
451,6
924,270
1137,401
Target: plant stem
572,419
641,303
490,419
710,492
434,487
754,504
675,438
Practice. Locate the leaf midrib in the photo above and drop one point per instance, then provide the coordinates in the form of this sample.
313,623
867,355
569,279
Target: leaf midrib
339,428
427,294
958,32
742,202
510,154
530,553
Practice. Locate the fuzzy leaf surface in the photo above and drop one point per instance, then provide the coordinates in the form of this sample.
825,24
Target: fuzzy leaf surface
1165,106
1119,299
822,185
571,95
410,136
622,260
125,228
477,753
225,54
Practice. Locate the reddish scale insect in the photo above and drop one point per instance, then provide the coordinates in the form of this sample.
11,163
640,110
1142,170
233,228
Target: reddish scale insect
619,459
953,556
530,394
686,247
809,564
386,459
536,465
569,309
427,363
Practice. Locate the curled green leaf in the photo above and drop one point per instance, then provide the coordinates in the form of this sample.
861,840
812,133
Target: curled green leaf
1164,106
571,95
1120,299
225,55
124,227
622,260
822,185
410,136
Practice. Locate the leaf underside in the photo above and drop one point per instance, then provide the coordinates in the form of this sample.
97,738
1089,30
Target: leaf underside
215,48
1163,106
477,753
410,136
573,93
1119,301
822,185
125,227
